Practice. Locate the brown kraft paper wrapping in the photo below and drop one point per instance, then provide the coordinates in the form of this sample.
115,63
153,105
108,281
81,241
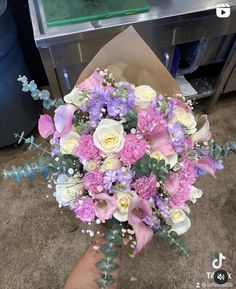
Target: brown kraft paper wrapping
129,58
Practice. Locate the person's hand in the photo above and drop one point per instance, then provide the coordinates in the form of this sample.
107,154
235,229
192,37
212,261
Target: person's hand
85,272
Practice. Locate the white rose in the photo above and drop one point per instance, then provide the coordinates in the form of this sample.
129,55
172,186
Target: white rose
69,143
144,95
178,220
169,160
109,136
195,194
111,163
185,118
76,97
123,200
90,165
67,189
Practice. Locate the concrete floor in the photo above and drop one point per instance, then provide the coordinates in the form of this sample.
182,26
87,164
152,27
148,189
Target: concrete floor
39,246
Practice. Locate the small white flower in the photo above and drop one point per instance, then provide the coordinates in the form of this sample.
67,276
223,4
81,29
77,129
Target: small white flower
195,194
178,220
67,188
76,97
123,200
144,95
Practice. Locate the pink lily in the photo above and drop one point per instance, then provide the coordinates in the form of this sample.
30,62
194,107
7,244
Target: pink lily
95,79
63,118
138,210
207,164
45,125
105,206
161,141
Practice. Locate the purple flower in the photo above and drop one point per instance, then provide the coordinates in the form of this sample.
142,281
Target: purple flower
163,207
171,105
118,176
154,224
110,178
117,107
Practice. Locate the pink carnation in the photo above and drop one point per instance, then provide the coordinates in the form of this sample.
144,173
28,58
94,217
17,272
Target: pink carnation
133,149
94,182
147,120
84,209
179,184
145,186
86,149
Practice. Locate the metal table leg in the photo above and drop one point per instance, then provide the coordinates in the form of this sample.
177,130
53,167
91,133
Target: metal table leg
224,75
50,71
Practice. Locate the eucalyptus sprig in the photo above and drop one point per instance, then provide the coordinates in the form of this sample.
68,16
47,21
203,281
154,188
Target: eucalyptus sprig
30,142
218,151
42,166
171,237
37,94
113,239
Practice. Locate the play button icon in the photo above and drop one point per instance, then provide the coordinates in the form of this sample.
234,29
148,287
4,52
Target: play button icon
223,10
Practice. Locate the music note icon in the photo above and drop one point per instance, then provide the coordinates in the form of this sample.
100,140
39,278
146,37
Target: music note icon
218,262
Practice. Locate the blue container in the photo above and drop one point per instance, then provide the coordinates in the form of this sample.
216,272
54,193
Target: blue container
18,111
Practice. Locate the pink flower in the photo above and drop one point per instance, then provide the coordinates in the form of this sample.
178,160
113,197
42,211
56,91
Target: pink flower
87,150
172,184
94,182
95,79
140,209
84,209
179,184
133,149
207,164
183,104
63,118
147,120
145,186
105,206
45,125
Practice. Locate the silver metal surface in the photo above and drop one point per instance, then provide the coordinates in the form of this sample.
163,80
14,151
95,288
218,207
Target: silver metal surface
65,50
162,12
223,77
231,83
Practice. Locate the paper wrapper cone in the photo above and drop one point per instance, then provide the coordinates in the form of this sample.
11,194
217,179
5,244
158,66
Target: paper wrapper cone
129,58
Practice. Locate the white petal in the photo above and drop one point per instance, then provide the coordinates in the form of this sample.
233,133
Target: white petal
182,227
203,134
121,217
172,160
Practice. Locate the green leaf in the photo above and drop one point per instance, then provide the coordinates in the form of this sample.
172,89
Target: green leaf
106,266
131,120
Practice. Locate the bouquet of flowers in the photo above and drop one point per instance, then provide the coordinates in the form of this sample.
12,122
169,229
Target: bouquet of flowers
125,155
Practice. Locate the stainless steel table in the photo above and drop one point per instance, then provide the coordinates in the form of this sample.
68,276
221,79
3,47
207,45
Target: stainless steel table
65,50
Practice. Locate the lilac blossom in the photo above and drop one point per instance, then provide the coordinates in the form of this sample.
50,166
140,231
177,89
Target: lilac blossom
163,207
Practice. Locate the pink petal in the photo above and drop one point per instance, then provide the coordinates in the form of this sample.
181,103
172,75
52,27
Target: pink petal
203,134
183,104
138,210
161,141
207,164
95,79
45,125
172,184
63,118
106,211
